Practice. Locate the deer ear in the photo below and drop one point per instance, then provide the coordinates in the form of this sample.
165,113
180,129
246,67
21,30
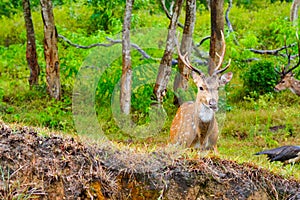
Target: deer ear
225,78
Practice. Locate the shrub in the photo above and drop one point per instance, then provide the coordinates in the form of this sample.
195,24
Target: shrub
260,78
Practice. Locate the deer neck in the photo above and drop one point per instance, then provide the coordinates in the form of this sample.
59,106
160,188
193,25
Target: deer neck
295,86
204,118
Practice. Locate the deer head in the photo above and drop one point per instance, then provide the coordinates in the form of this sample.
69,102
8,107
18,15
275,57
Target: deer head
208,85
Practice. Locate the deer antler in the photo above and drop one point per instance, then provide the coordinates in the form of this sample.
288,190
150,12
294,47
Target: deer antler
185,59
224,69
221,58
298,63
285,69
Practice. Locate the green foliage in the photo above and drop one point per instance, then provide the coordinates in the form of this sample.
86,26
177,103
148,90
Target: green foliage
70,20
14,32
1,93
260,78
256,4
56,115
252,108
73,20
9,7
106,15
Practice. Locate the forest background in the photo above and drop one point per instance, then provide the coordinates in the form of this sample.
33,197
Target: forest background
253,116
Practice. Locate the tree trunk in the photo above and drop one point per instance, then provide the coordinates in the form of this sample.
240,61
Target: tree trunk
31,55
217,25
125,96
166,61
181,80
294,12
51,50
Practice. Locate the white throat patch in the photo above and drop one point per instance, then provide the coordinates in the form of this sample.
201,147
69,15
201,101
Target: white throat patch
206,114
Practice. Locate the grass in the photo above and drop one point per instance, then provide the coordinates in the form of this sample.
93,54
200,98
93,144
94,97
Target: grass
247,129
17,189
258,125
242,151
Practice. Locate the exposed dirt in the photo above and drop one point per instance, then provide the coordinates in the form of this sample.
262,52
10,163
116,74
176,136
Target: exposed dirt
63,168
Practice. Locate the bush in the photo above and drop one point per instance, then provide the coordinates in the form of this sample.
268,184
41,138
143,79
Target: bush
260,78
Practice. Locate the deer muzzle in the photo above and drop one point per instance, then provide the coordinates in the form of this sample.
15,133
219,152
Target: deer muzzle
276,89
212,103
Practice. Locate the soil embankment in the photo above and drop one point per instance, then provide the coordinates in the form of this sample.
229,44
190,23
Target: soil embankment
54,167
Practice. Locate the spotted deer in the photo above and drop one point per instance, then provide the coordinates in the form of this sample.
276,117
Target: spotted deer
287,80
195,124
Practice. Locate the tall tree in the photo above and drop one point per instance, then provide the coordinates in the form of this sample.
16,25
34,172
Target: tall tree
31,54
181,80
126,79
166,61
217,25
51,50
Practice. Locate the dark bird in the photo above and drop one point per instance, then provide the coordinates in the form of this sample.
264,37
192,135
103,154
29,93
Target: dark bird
286,154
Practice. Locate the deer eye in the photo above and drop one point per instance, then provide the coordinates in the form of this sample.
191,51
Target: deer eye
282,81
200,88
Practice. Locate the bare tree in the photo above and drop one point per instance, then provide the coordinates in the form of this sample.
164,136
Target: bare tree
166,61
217,26
31,55
126,79
181,80
51,50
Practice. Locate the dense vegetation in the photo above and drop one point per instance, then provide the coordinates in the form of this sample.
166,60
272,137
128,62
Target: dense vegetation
256,117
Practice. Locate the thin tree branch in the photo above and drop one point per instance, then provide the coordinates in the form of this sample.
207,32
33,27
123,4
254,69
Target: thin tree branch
227,16
230,28
203,40
165,9
275,52
84,47
137,47
250,60
168,13
112,42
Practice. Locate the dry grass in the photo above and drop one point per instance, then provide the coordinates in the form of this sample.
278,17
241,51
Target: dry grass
262,124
